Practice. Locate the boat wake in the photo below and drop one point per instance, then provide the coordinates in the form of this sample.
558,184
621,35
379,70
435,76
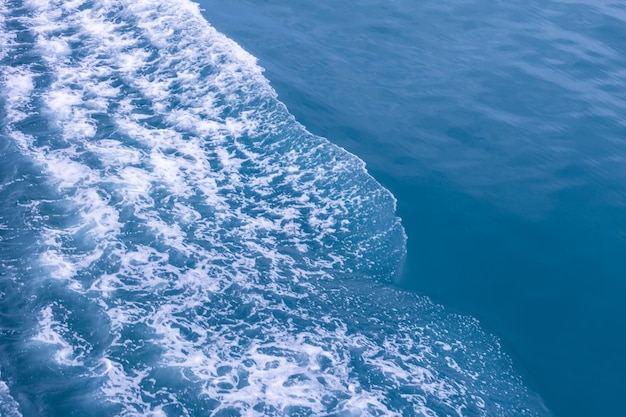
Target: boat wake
175,243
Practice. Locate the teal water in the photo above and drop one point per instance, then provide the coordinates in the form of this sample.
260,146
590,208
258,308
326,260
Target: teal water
500,129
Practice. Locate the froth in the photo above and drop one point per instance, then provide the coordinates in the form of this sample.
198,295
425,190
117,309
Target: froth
8,406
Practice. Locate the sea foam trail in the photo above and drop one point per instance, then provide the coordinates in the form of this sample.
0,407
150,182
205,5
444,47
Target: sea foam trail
194,250
8,406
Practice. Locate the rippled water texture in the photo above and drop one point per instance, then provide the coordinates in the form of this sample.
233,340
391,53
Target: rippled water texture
500,128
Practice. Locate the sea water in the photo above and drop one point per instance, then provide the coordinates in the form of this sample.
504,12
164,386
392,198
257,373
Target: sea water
174,242
500,128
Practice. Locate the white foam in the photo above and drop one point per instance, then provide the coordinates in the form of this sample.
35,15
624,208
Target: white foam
18,83
7,39
8,406
55,332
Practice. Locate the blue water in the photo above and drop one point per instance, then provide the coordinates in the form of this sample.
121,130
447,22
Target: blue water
500,129
175,242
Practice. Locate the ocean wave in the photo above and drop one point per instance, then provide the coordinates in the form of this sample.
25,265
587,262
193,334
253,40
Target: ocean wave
199,252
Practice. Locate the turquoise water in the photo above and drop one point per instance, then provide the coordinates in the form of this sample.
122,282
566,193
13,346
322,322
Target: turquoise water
174,241
500,129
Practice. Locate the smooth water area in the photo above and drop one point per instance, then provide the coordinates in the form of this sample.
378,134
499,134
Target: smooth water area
500,129
173,242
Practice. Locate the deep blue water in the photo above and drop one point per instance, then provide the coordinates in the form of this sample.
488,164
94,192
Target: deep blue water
500,129
183,233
